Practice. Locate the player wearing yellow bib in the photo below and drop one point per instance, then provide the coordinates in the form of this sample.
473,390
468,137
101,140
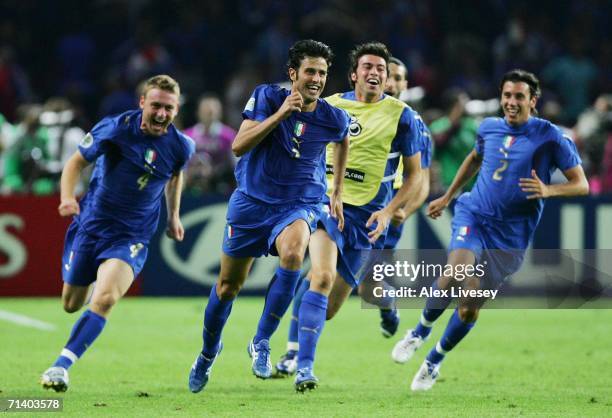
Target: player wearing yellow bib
397,82
383,130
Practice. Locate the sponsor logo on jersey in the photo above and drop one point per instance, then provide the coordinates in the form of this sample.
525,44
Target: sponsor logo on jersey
349,173
296,149
299,129
354,127
87,141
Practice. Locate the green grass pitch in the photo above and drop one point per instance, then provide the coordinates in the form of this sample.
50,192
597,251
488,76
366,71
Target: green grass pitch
515,362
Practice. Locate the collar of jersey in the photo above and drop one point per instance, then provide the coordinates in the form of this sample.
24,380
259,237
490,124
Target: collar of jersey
520,128
350,95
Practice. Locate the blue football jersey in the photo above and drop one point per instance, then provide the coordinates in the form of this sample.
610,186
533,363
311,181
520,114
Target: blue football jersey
510,153
131,169
288,166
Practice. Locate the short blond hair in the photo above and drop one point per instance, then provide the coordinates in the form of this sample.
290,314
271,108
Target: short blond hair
162,82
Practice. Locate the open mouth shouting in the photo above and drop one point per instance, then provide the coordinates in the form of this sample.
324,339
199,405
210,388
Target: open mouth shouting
374,82
158,124
313,89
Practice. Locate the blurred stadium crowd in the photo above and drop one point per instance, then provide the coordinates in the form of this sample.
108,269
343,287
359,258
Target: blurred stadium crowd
66,64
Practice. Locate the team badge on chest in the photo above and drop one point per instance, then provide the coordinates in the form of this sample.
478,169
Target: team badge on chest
299,129
150,156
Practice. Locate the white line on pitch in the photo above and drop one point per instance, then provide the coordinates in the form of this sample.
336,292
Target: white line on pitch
25,321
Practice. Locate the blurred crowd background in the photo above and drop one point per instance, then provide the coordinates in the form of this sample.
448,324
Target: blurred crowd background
66,64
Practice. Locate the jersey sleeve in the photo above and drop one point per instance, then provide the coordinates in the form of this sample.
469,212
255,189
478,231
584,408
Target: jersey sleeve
188,151
426,150
344,120
479,143
565,153
410,130
95,142
260,105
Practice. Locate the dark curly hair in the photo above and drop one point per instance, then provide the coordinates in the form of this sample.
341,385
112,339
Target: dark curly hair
370,48
308,48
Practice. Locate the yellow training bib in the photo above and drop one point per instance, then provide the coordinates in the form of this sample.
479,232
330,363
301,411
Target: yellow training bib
371,132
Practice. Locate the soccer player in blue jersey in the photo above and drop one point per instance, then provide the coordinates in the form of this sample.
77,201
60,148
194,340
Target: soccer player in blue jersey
397,82
383,131
139,156
411,130
493,224
281,182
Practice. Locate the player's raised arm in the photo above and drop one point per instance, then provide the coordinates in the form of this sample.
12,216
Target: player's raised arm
70,177
340,156
173,191
409,191
468,169
252,132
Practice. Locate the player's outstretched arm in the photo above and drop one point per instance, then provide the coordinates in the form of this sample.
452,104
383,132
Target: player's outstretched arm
409,191
577,185
70,177
468,169
252,132
340,157
173,191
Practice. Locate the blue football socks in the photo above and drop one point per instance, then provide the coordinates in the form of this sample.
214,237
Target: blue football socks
83,334
455,330
311,322
215,317
279,297
434,307
292,343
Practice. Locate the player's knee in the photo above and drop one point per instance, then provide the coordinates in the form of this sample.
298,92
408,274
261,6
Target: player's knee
444,282
467,313
227,290
292,257
466,281
322,281
103,303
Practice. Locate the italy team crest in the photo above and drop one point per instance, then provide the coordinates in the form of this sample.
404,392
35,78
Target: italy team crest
150,156
462,233
299,129
464,230
508,141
